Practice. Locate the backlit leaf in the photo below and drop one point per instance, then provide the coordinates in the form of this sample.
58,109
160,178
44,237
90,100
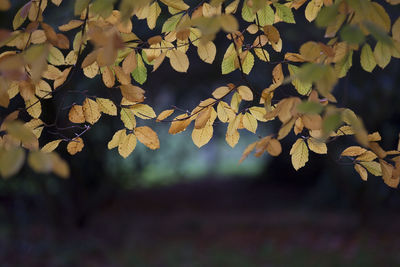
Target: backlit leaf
147,137
299,152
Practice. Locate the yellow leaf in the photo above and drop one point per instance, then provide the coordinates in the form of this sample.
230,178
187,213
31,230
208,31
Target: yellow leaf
143,111
202,135
374,137
147,137
317,146
274,147
74,146
367,58
36,126
235,101
361,171
132,93
207,51
128,118
165,114
51,146
258,113
202,117
40,162
299,152
92,70
312,9
382,54
91,111
396,30
178,60
367,156
249,122
373,167
220,92
248,63
43,89
106,106
76,115
285,128
224,111
353,151
127,145
179,124
245,93
154,12
123,78
116,139
158,61
19,131
55,57
34,107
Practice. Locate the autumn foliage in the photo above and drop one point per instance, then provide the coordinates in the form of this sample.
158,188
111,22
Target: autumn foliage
38,60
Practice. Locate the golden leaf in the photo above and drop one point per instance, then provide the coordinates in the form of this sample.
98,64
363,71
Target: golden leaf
353,151
72,24
147,137
233,138
91,111
51,146
245,93
143,111
122,77
106,106
132,93
249,122
130,62
179,124
274,147
247,151
361,171
372,167
127,145
165,114
220,92
317,146
116,139
108,77
128,118
76,115
178,60
203,117
299,152
74,146
224,111
367,156
207,51
277,74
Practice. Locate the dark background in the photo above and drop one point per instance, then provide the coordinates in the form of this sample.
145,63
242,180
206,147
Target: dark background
183,206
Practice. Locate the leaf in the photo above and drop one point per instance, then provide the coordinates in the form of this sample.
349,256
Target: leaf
74,146
317,146
51,146
128,118
116,139
130,62
367,58
179,60
299,152
143,111
247,151
108,77
55,56
265,15
382,54
353,151
284,13
139,74
312,9
372,167
224,112
21,15
106,106
165,114
76,115
248,63
72,24
147,137
277,74
207,51
40,162
202,117
91,111
245,93
19,131
122,77
127,145
202,136
233,138
220,92
132,93
361,171
177,4
367,156
11,161
274,147
249,122
310,107
179,124
228,62
258,113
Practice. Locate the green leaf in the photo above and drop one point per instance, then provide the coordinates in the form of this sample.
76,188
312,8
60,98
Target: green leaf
266,16
170,24
331,122
284,12
247,13
228,63
382,53
103,7
352,34
248,63
367,58
344,65
140,73
326,16
80,5
302,88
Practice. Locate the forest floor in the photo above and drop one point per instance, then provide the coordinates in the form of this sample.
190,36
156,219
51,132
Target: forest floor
208,223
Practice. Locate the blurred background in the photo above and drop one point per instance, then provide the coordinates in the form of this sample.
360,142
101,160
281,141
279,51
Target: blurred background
184,206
